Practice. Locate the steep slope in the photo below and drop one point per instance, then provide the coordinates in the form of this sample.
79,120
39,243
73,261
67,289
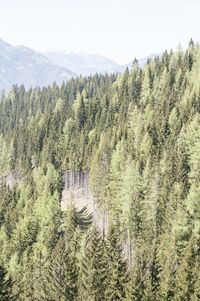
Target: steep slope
133,140
21,65
82,63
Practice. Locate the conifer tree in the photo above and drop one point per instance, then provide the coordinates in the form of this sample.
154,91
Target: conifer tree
117,268
5,286
94,267
62,274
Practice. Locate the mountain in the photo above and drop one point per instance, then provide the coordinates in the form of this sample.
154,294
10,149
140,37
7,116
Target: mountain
104,188
22,65
82,63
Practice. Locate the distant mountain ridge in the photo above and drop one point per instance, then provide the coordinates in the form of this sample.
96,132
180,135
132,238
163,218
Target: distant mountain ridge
22,65
86,64
81,63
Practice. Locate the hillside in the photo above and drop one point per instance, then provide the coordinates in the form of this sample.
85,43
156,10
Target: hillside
81,63
130,145
22,65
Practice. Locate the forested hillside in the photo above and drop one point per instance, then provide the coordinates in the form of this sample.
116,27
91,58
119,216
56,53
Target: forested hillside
137,135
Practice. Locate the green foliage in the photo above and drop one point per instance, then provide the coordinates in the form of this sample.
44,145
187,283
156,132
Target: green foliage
62,274
137,135
5,286
93,277
117,272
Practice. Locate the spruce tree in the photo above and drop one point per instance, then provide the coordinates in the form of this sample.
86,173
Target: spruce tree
117,268
94,267
62,274
5,286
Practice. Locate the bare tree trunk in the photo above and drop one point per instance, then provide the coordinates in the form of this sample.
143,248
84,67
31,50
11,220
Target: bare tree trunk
71,180
87,183
81,183
65,179
129,253
78,183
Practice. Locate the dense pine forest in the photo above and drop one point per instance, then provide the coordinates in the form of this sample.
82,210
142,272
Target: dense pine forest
137,135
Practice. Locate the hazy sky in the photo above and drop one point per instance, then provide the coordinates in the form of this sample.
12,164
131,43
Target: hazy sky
119,29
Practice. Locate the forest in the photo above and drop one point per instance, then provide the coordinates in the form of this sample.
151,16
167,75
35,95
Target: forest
137,136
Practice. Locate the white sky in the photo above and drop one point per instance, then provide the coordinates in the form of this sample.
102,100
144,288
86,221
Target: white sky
118,29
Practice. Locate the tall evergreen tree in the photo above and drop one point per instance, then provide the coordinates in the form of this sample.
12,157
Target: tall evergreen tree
5,286
117,268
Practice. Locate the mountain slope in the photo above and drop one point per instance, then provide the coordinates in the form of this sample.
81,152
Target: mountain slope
82,63
135,139
22,65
